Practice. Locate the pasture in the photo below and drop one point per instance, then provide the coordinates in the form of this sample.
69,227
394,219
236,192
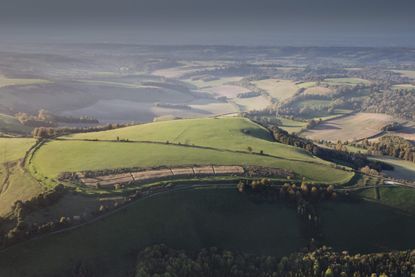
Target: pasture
12,149
227,141
19,186
402,169
352,127
318,90
291,125
406,73
278,89
15,183
404,87
229,91
366,227
306,84
252,103
205,217
232,133
396,197
215,108
60,156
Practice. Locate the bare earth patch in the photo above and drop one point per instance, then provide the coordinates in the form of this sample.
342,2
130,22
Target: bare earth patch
353,127
109,181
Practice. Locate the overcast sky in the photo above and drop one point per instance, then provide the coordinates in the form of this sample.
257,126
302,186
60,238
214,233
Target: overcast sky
253,22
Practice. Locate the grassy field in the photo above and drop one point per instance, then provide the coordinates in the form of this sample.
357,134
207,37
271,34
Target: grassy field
234,133
223,136
9,124
204,217
356,126
19,185
366,227
60,156
253,103
313,103
215,108
307,84
229,91
278,89
404,86
318,90
402,169
292,126
12,149
406,73
7,82
396,197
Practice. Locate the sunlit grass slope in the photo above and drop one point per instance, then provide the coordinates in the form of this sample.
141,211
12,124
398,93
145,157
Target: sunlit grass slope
232,133
12,149
225,138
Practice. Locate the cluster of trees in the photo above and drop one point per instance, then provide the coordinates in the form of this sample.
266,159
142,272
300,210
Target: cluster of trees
22,229
33,120
45,118
313,123
265,189
393,146
399,103
268,172
248,94
160,260
173,106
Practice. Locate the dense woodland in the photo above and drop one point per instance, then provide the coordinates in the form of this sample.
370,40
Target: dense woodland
45,118
400,103
393,146
160,260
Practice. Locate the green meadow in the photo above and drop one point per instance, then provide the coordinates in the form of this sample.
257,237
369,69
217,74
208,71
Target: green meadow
233,141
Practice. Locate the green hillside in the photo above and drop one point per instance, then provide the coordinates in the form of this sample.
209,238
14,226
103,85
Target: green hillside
205,217
208,141
12,149
231,133
15,183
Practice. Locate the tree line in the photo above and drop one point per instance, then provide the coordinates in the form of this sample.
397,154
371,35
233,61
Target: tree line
160,260
49,132
45,118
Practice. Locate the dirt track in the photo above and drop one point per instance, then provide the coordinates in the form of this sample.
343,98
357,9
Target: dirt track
158,174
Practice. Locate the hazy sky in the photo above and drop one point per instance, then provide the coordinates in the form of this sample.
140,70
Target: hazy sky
371,22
